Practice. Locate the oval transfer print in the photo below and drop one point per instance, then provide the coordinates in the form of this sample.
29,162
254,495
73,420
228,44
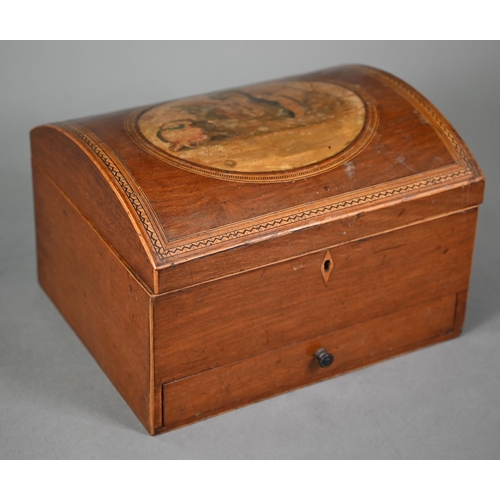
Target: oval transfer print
269,132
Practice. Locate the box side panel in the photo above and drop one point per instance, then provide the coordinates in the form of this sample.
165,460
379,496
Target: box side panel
274,372
244,315
72,169
101,300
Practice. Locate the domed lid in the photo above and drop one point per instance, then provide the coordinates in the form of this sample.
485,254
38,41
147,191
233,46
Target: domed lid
207,174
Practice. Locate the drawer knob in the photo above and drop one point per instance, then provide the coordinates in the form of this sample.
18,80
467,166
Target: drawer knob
325,359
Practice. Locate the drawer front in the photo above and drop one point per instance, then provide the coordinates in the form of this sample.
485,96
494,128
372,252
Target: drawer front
231,386
234,318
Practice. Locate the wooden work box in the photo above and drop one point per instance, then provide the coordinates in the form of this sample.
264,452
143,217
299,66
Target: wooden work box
217,250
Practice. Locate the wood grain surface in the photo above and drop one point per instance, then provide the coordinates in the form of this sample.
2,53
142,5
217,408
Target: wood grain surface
227,320
101,300
279,370
200,291
187,204
81,179
350,226
182,216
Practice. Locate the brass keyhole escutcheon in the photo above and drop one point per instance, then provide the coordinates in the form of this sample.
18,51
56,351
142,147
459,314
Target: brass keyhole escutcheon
327,267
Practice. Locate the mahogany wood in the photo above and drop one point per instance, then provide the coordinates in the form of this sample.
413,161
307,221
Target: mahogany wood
276,305
198,289
101,300
180,216
204,204
276,371
412,210
79,177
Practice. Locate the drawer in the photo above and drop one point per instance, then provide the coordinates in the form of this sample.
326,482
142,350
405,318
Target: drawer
286,368
244,315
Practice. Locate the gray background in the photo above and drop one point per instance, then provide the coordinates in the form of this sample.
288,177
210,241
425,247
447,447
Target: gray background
440,402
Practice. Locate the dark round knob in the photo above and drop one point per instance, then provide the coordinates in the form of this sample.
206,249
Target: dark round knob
325,359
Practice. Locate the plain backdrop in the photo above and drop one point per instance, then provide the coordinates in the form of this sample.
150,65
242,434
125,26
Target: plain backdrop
439,402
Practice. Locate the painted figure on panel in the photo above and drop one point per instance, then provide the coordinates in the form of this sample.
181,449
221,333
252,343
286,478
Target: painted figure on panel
297,121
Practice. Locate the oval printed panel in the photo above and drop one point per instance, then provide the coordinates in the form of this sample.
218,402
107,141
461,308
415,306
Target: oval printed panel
263,133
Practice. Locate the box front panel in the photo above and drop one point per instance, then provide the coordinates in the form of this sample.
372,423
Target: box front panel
279,370
245,315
